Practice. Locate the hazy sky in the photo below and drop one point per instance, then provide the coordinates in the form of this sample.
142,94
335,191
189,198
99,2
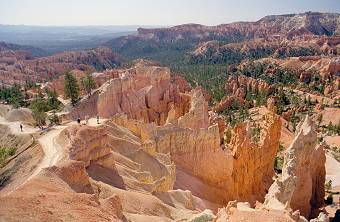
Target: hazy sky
151,12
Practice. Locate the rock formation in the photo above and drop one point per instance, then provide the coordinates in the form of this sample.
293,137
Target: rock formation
142,92
161,156
236,88
196,150
301,185
192,140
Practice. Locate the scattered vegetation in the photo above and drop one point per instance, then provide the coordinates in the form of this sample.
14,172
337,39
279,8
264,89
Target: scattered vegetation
333,129
278,164
329,199
6,152
71,88
7,174
210,77
54,119
270,73
13,95
88,84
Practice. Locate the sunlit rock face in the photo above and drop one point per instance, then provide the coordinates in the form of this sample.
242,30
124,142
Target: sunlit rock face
176,123
142,92
301,185
243,170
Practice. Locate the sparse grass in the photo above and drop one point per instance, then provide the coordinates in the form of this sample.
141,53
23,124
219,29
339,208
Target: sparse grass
203,218
6,152
7,174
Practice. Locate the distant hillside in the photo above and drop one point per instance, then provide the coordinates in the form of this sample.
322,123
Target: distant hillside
18,69
33,51
54,39
149,43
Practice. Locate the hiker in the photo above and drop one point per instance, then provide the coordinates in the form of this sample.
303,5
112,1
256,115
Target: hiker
78,120
20,127
97,119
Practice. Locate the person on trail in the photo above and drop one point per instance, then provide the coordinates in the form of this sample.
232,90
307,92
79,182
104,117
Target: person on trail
20,127
97,119
78,120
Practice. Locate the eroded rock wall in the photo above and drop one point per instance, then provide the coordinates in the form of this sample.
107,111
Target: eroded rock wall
301,185
243,170
142,92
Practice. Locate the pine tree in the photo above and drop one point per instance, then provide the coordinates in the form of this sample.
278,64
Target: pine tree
88,84
71,88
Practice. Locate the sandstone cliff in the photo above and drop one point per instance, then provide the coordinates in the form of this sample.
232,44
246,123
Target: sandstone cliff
243,170
301,185
142,92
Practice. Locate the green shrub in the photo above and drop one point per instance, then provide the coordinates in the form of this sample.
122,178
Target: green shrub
278,164
6,152
54,119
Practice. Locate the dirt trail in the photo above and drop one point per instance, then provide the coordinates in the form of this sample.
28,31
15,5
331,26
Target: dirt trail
52,150
15,127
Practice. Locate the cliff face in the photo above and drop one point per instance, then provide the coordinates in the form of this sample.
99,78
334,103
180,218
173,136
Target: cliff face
143,92
242,171
301,185
187,133
115,156
254,158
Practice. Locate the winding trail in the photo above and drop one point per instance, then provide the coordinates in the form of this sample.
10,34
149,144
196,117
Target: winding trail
52,150
15,127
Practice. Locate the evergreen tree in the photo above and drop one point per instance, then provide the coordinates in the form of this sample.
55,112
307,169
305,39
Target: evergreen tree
39,106
71,88
88,84
52,101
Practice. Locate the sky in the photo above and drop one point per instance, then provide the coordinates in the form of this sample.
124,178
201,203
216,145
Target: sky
151,12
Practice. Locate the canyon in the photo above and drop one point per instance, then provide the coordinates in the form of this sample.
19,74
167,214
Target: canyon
234,122
158,162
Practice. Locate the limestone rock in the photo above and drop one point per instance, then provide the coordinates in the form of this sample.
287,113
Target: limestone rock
114,155
243,170
301,185
142,92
